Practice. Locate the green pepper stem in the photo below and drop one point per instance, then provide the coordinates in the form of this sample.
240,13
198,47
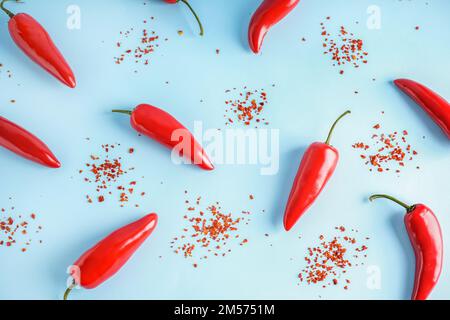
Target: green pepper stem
334,126
68,291
195,15
384,196
2,6
128,112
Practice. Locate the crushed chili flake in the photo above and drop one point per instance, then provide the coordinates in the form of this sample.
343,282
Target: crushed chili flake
386,151
209,231
247,108
7,72
344,48
107,173
18,230
137,48
329,262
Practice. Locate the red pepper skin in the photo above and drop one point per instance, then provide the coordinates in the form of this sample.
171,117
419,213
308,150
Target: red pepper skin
160,126
435,105
107,257
25,144
426,239
36,43
268,14
317,167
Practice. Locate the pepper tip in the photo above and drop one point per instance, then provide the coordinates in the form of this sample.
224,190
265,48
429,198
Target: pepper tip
207,165
399,83
288,226
54,163
70,82
255,49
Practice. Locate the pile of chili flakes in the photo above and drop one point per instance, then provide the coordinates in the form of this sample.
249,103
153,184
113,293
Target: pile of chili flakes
17,230
329,262
247,108
387,152
344,49
107,173
209,231
137,49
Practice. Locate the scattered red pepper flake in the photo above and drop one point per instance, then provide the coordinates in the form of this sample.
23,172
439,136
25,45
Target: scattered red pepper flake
386,149
331,260
247,108
5,71
209,231
16,230
138,49
344,49
107,172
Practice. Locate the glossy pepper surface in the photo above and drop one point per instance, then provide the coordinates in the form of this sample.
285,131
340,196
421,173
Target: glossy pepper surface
426,239
164,128
25,144
37,44
318,165
192,10
107,257
436,106
269,13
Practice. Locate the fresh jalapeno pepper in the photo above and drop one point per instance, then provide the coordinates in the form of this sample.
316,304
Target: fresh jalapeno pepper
107,257
425,235
37,44
269,13
318,165
161,126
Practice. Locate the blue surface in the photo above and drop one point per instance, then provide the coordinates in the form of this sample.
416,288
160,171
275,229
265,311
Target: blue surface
308,95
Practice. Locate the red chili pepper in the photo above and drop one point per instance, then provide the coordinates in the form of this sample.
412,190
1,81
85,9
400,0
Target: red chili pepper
192,10
25,144
426,238
268,14
36,43
107,257
436,106
160,126
317,167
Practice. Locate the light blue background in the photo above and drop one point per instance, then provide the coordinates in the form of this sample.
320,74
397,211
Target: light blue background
308,96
